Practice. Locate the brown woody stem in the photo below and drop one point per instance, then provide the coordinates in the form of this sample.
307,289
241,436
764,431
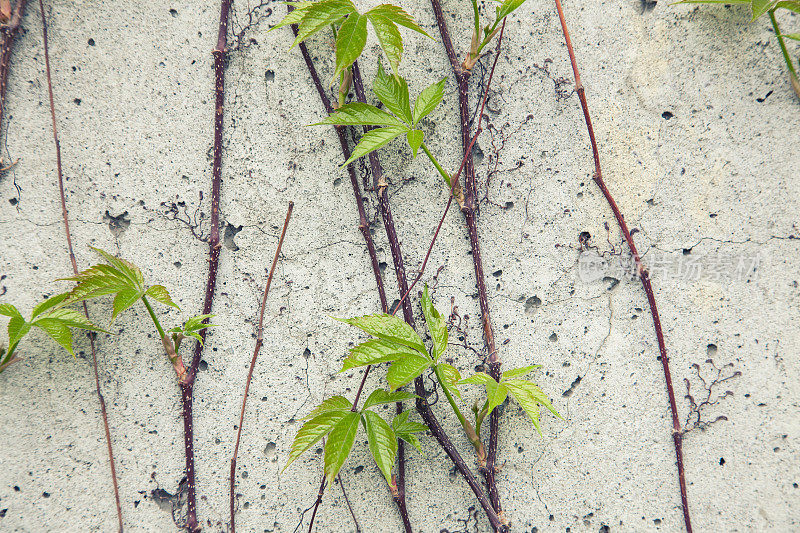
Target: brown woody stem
397,257
214,247
644,275
469,209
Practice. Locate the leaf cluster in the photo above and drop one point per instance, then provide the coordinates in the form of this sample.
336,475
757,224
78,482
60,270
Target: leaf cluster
336,418
125,282
350,27
401,119
49,317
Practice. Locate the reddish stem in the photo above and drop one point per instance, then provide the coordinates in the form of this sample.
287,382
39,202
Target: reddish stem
68,233
256,350
644,275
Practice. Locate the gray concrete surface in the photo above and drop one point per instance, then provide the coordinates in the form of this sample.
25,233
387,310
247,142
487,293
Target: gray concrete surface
698,132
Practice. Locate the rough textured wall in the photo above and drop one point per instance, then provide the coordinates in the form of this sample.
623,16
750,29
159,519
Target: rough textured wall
697,129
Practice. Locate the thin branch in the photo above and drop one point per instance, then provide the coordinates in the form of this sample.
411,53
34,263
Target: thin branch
644,275
8,33
347,501
316,504
259,342
68,233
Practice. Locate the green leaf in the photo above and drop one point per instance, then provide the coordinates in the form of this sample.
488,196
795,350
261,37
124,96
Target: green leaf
791,5
405,370
450,378
398,16
339,444
479,378
313,430
428,99
518,372
124,299
96,281
196,323
390,328
404,429
759,7
437,327
71,318
380,396
382,442
358,114
128,269
375,139
294,16
389,38
534,392
161,294
393,92
402,423
508,7
527,402
375,351
17,328
414,138
350,41
58,331
51,302
496,393
320,15
334,403
9,310
795,36
411,439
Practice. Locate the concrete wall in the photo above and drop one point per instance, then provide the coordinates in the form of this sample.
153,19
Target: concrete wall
697,128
